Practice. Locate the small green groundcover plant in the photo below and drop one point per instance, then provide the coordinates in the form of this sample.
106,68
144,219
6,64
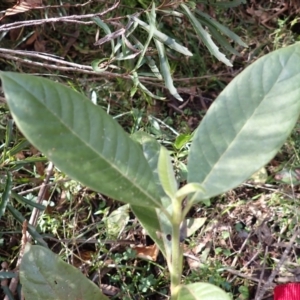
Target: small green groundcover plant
241,132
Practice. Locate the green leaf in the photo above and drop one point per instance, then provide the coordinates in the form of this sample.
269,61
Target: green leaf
193,224
288,176
165,70
80,138
151,150
221,40
8,292
7,275
18,148
162,37
222,28
44,276
205,37
149,60
23,200
201,291
31,229
100,65
151,18
166,173
247,124
154,220
187,189
229,4
6,194
182,140
106,29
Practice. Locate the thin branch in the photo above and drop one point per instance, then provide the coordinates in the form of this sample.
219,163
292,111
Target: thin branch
287,250
20,24
38,187
46,57
14,281
36,212
62,68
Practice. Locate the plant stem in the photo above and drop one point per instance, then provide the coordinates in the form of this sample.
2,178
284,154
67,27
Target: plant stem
177,253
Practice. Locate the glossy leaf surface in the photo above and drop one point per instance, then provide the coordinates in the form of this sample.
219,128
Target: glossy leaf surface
80,138
247,124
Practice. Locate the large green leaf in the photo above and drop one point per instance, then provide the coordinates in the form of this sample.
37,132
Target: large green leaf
44,276
151,150
247,124
80,138
153,219
201,291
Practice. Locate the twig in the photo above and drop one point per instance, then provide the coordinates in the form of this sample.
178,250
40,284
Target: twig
262,272
239,274
38,187
68,69
36,212
16,25
45,57
287,250
238,253
90,241
25,235
14,281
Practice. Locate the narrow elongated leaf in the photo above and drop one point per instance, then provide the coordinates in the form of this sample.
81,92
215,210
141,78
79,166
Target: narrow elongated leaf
149,60
248,123
166,173
205,37
229,4
162,37
201,291
151,17
166,70
7,275
221,40
6,194
80,138
109,36
19,147
44,276
26,201
221,27
31,229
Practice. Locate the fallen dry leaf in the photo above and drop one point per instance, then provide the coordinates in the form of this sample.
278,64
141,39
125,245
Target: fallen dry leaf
147,252
22,6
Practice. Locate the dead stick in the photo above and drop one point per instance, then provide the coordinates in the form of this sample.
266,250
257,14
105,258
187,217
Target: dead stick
14,281
287,250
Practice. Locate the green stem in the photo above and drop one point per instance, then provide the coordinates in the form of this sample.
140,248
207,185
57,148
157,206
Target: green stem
177,253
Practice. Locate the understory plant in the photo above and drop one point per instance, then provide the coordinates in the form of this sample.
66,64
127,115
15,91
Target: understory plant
243,130
128,44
